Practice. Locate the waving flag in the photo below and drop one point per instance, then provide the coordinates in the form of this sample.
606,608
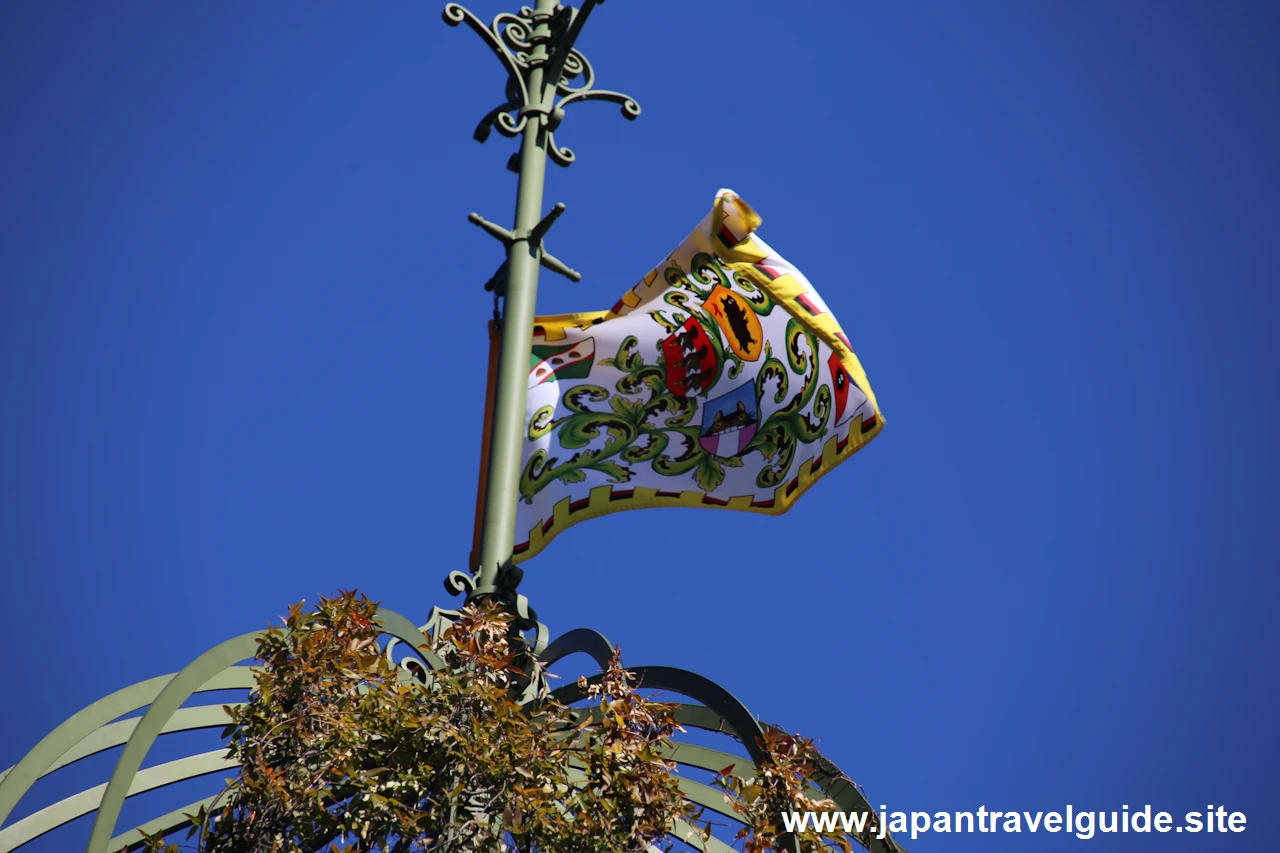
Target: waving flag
719,380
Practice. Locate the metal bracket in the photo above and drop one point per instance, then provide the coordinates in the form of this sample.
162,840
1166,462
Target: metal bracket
534,236
497,283
504,594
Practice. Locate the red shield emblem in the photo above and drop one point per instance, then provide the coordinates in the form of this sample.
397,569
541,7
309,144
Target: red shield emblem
690,360
845,391
840,385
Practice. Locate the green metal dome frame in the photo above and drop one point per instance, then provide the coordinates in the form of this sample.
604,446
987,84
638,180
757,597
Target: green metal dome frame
98,728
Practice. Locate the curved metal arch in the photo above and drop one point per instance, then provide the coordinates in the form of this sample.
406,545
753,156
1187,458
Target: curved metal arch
692,790
177,691
720,701
165,824
832,782
699,717
18,779
117,734
715,698
709,798
579,640
679,828
78,805
88,732
703,757
690,836
851,798
720,711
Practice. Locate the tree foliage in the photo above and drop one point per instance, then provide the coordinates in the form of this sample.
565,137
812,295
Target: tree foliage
783,784
342,750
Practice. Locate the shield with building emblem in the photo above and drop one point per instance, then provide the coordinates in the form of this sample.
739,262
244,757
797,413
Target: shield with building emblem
729,421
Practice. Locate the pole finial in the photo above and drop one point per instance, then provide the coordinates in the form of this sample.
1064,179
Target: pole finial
568,77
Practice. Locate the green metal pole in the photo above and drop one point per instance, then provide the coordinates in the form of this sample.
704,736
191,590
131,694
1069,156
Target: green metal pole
497,532
537,49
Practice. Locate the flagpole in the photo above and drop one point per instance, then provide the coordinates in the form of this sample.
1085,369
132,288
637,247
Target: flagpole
536,46
497,531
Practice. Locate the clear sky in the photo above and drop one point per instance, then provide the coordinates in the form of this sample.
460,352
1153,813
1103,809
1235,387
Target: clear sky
242,347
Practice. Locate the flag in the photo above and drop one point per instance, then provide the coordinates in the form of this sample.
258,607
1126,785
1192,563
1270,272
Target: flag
719,380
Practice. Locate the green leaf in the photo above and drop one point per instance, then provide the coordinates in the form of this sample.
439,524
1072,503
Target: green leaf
631,410
709,473
765,442
616,472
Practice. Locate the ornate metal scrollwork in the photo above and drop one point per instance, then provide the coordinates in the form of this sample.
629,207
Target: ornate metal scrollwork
525,628
439,619
567,76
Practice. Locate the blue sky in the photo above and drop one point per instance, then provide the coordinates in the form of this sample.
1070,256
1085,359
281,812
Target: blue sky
242,347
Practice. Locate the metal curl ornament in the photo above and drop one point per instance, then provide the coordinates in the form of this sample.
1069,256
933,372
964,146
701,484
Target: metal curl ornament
536,50
560,156
575,65
515,32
